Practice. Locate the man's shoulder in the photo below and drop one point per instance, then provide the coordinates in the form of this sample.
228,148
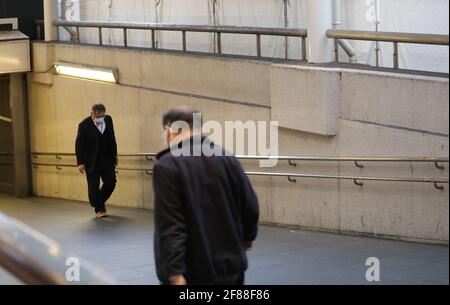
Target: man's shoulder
165,158
85,121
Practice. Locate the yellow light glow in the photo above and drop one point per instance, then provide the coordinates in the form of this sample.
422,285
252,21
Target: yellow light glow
85,72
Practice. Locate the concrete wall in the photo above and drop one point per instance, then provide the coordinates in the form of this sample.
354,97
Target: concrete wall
6,139
323,112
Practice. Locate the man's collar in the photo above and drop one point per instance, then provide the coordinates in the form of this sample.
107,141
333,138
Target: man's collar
162,153
180,144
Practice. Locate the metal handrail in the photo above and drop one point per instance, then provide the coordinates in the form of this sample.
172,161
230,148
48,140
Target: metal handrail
286,158
291,176
347,159
389,37
35,259
354,178
218,30
118,168
40,23
394,37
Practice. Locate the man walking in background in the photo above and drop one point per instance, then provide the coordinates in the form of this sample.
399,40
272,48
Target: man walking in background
96,151
206,211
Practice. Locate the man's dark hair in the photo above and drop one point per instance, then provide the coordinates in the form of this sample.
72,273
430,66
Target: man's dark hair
180,113
98,108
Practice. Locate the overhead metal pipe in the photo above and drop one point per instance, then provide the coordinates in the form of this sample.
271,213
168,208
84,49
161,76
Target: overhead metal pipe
319,20
337,22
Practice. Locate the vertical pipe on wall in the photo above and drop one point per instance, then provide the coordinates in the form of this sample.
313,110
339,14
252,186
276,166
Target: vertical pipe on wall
319,20
50,14
337,22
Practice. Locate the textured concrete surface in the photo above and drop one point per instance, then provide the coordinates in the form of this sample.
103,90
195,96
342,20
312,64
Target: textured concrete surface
401,100
122,246
305,98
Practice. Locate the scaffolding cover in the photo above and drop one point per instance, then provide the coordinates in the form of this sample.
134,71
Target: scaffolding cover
415,16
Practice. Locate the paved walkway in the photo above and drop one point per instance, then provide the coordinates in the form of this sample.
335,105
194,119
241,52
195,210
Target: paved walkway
122,246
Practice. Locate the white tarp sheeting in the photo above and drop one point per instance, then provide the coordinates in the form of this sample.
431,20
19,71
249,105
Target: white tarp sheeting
415,16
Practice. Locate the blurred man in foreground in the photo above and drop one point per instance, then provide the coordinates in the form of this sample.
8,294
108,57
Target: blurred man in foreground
206,211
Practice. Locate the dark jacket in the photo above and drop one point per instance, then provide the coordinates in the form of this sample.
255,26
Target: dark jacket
88,142
205,208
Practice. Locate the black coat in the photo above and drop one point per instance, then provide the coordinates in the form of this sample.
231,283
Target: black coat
205,208
88,142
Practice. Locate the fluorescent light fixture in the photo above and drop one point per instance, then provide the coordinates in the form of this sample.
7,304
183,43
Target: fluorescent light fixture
100,74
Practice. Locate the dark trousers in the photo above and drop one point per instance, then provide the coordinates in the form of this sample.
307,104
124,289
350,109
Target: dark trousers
99,195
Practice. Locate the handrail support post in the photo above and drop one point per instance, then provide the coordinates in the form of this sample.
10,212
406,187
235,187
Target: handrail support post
100,36
153,39
219,43
184,41
258,45
303,48
395,55
78,34
336,51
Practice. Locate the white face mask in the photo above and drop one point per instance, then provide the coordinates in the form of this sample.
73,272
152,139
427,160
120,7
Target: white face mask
99,121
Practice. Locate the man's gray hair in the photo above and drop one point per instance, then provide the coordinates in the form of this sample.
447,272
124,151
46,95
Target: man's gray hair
98,108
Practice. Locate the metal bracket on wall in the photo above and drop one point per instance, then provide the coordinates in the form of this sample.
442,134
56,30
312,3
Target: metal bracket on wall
292,163
439,166
357,164
292,179
148,158
438,187
358,183
149,172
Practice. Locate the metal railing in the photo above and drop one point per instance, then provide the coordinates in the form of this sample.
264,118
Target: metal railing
184,29
394,37
39,30
73,28
437,161
37,260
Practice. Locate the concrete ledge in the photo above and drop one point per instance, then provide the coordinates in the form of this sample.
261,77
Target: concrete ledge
305,98
407,101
